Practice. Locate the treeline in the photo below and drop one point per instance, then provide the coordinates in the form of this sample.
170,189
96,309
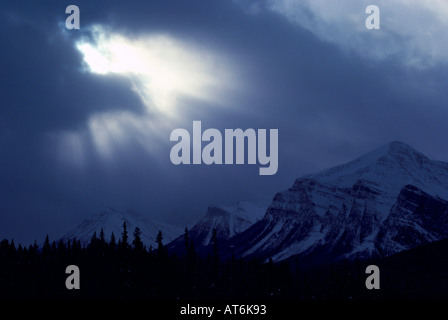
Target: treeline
125,269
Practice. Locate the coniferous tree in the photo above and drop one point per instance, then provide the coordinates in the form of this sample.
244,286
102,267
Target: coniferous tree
191,250
159,238
215,257
102,239
124,236
186,240
112,243
93,241
61,246
20,249
160,247
75,246
137,242
46,246
214,242
4,245
101,242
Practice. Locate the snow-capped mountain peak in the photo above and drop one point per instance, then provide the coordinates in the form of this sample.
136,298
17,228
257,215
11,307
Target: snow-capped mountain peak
353,209
111,220
228,221
394,161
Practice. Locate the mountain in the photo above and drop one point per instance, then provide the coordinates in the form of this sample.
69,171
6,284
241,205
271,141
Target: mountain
391,199
112,220
227,220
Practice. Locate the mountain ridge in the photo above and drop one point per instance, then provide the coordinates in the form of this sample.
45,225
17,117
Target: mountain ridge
228,221
340,211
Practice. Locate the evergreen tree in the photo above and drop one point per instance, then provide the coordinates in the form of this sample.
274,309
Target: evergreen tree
214,242
186,241
75,246
137,242
35,246
4,245
191,250
160,247
93,240
46,246
101,242
61,246
112,242
159,239
124,236
102,239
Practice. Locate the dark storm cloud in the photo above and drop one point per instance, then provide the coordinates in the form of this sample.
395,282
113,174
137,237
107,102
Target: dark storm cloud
329,105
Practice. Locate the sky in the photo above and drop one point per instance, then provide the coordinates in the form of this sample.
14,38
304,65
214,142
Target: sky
86,114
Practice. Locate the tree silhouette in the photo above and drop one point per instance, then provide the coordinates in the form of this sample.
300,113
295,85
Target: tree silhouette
46,246
93,241
135,273
124,236
137,242
186,240
102,239
160,248
214,242
159,239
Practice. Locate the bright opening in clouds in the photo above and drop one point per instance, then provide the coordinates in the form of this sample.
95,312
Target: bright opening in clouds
161,68
162,71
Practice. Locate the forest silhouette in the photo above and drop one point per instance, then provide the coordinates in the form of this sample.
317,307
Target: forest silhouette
125,269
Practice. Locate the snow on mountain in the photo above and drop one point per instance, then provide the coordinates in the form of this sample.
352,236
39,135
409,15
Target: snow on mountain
369,206
112,220
227,220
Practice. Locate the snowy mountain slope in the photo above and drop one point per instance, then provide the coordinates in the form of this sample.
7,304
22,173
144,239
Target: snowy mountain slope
112,220
354,210
227,220
417,218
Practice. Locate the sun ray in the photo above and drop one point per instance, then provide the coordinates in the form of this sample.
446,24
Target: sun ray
161,68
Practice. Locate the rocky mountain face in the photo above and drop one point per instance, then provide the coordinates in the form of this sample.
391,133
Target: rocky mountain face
227,220
389,200
416,218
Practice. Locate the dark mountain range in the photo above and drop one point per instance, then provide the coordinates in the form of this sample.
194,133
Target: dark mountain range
389,200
